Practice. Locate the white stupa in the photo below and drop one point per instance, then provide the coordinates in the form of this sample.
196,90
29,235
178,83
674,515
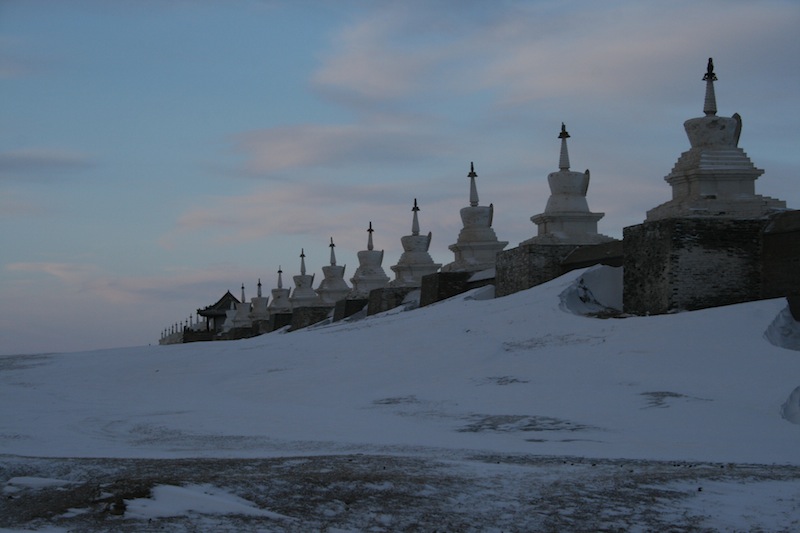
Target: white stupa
370,274
415,261
280,297
566,218
258,305
241,319
230,315
333,287
303,295
714,178
477,245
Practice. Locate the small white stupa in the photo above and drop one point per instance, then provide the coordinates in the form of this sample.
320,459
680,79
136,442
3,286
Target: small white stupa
230,315
303,295
715,177
415,261
241,319
258,305
280,297
477,245
369,275
566,218
333,287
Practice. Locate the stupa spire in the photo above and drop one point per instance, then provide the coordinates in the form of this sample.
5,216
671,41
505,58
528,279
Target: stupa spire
242,292
259,288
333,256
369,275
477,244
280,277
710,103
563,162
302,262
415,221
473,189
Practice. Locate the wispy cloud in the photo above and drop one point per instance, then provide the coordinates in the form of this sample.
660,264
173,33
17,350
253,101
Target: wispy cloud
537,51
41,163
69,273
291,210
271,151
182,284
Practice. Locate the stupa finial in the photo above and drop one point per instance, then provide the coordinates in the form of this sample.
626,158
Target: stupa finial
710,103
333,256
280,277
259,288
415,220
563,162
473,189
369,239
243,293
302,262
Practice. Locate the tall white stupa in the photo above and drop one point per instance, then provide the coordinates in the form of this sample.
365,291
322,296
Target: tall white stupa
241,319
415,261
566,218
714,178
280,297
333,287
477,245
258,305
303,295
370,274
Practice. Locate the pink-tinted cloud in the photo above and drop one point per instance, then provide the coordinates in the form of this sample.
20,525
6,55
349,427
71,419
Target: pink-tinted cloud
70,273
274,150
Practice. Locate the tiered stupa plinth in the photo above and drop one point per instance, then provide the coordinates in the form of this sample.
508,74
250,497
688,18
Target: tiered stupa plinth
477,245
370,274
303,295
415,261
333,287
566,218
714,178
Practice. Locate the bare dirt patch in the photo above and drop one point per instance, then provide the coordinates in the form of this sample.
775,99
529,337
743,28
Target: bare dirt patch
384,493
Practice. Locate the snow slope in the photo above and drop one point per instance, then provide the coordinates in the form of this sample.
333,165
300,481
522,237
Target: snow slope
526,373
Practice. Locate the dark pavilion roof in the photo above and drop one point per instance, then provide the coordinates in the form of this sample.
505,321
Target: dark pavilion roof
219,308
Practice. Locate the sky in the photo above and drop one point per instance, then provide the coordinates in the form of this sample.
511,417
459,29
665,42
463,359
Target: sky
155,154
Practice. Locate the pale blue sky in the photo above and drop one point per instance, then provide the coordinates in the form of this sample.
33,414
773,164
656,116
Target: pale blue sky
154,154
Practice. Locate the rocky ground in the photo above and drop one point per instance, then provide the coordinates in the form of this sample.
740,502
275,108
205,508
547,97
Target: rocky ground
405,493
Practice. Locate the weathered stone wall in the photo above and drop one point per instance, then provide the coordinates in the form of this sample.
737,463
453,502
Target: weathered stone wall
345,308
302,317
442,285
381,300
781,264
279,320
691,263
528,265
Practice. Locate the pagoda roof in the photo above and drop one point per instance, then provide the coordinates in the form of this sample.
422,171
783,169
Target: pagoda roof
219,308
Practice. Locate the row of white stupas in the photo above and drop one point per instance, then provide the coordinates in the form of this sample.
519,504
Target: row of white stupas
714,178
566,220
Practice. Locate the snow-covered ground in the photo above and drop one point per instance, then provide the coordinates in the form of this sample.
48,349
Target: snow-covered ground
525,376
